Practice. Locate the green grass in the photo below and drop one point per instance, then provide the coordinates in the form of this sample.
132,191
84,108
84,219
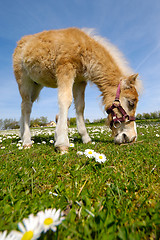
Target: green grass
115,200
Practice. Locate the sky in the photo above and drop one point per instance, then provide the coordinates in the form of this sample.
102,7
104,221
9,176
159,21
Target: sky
131,25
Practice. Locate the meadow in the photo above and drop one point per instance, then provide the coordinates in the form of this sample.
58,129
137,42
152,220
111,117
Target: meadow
114,199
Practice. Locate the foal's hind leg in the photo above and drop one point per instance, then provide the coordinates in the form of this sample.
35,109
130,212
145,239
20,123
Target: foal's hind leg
26,107
29,92
78,93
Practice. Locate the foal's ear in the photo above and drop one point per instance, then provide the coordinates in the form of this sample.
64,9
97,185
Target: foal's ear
131,80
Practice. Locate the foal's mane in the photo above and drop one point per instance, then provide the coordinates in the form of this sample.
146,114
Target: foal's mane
118,56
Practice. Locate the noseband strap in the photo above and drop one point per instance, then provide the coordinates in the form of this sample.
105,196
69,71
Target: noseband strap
116,122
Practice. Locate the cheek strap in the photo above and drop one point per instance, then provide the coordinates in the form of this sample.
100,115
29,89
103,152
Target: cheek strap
124,117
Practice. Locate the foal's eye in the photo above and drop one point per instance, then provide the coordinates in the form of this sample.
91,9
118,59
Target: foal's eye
131,104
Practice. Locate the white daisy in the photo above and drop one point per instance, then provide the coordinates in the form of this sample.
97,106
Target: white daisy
51,141
89,153
3,235
80,153
71,144
43,142
101,158
30,229
18,145
3,147
50,218
20,148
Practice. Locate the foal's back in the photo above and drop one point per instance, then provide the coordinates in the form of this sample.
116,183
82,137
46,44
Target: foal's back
40,56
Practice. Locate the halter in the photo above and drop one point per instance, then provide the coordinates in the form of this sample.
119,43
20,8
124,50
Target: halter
116,122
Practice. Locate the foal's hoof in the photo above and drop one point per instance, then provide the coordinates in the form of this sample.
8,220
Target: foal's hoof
27,146
62,150
89,142
86,140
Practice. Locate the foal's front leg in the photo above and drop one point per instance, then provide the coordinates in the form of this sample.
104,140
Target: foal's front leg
64,101
78,93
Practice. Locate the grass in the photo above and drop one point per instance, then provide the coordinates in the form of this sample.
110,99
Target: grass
118,199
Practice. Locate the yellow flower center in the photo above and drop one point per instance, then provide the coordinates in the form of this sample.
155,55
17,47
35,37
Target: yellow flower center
90,152
48,221
100,157
27,235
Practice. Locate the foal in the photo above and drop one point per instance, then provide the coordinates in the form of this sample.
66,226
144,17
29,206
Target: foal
66,59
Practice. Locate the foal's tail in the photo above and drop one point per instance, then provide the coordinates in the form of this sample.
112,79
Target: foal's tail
17,58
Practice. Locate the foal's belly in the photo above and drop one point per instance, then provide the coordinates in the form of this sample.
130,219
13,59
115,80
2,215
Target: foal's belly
42,76
46,81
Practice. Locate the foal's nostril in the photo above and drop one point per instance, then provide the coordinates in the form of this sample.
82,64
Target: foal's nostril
125,138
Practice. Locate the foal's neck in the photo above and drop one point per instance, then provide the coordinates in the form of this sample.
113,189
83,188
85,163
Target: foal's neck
108,90
106,75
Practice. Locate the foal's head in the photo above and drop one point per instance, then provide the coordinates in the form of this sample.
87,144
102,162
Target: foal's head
121,115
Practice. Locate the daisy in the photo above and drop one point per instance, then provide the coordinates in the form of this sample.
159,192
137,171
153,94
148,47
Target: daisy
20,148
50,218
51,141
9,137
71,144
43,142
101,158
30,229
89,153
3,147
18,145
3,236
80,153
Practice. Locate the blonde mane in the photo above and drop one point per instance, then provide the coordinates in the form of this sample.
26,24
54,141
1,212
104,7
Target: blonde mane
116,55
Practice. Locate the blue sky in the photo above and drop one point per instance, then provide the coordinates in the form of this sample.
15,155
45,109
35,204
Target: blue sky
132,25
